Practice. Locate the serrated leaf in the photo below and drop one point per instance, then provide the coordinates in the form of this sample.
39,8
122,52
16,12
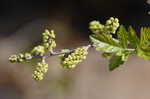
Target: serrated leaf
105,47
143,50
120,54
106,39
144,53
122,36
132,37
115,62
145,37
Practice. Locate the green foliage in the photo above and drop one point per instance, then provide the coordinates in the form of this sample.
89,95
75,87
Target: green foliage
109,50
122,37
105,47
145,38
119,49
114,62
143,50
106,55
105,38
145,54
132,37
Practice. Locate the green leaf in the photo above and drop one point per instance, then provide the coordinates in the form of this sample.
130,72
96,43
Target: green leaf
143,53
105,47
119,54
145,37
122,36
115,62
106,55
124,54
143,50
106,39
132,37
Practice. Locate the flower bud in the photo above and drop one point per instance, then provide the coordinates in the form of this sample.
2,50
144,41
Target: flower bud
38,76
28,56
13,58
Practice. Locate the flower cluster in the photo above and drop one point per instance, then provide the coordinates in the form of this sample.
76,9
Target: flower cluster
70,60
96,27
20,57
49,40
111,26
40,70
38,50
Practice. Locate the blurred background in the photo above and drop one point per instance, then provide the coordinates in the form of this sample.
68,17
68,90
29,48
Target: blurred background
21,25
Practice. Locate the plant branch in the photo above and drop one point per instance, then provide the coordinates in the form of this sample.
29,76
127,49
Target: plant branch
67,52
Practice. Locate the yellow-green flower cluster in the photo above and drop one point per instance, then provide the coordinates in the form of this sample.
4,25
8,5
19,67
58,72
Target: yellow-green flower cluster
49,40
40,70
96,27
20,57
72,59
111,26
13,58
38,50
